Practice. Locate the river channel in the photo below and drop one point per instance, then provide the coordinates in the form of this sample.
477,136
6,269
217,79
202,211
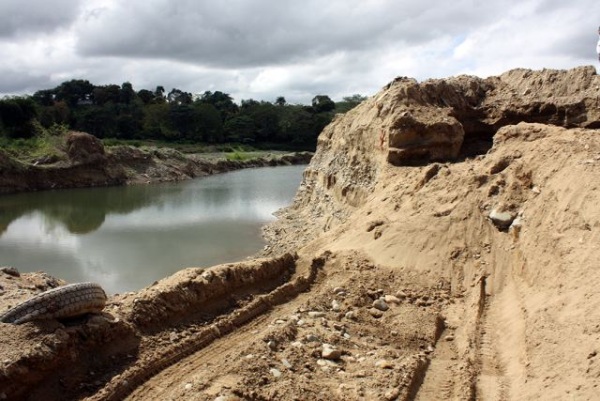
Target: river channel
125,238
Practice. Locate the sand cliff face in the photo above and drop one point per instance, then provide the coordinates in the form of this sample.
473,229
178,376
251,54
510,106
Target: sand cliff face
489,186
417,124
444,245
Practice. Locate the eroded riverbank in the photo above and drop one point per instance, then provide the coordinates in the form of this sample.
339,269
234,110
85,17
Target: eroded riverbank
85,162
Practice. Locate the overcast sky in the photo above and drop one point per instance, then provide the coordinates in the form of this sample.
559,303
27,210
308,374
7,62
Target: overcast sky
262,49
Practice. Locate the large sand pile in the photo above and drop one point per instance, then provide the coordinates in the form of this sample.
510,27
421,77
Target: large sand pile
444,245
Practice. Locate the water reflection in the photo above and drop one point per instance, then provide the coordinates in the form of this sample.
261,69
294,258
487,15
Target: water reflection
127,237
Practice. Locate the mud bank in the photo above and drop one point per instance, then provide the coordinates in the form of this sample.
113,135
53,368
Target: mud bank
86,163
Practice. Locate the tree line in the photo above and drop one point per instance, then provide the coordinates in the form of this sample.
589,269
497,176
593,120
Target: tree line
113,111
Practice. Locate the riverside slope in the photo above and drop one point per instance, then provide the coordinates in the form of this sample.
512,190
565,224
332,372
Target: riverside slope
443,245
86,163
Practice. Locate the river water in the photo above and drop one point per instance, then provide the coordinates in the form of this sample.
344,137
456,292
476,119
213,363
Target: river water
125,238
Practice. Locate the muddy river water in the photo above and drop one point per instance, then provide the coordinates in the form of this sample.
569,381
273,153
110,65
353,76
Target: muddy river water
125,238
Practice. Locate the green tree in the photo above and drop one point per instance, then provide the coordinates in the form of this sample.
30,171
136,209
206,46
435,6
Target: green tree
126,94
239,128
179,97
349,102
107,93
210,126
222,102
322,103
17,115
145,96
75,92
280,101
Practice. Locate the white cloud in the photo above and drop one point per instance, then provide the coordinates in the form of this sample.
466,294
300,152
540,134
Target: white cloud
267,48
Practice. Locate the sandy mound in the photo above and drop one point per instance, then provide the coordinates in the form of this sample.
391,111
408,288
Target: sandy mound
444,246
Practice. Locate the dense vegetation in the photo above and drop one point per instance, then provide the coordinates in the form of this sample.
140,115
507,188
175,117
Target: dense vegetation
120,112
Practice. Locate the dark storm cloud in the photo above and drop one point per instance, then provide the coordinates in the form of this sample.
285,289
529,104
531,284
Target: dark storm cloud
36,16
239,33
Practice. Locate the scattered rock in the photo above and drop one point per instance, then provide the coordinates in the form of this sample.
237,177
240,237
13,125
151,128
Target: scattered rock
338,290
381,305
449,338
311,338
272,345
11,271
501,219
384,364
350,315
390,299
316,314
330,353
375,313
275,372
335,306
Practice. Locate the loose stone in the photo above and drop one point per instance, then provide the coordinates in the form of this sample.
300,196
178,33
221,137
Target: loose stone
381,305
316,314
375,313
330,353
335,306
390,299
276,373
311,338
384,364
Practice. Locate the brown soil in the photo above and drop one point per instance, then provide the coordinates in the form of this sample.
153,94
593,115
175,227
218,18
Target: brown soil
84,162
482,259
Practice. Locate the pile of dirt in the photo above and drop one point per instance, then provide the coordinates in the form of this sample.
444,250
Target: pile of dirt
443,245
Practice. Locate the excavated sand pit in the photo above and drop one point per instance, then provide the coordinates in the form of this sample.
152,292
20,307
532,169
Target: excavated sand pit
443,245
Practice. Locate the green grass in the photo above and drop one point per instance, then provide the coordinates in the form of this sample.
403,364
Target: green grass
239,155
46,145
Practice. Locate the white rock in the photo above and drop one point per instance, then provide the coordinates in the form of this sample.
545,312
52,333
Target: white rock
316,314
276,373
502,220
390,299
188,386
286,363
335,306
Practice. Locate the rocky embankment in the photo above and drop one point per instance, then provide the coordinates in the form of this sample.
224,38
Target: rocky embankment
86,163
443,245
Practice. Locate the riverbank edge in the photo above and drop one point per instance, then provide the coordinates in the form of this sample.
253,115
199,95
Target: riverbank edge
88,166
